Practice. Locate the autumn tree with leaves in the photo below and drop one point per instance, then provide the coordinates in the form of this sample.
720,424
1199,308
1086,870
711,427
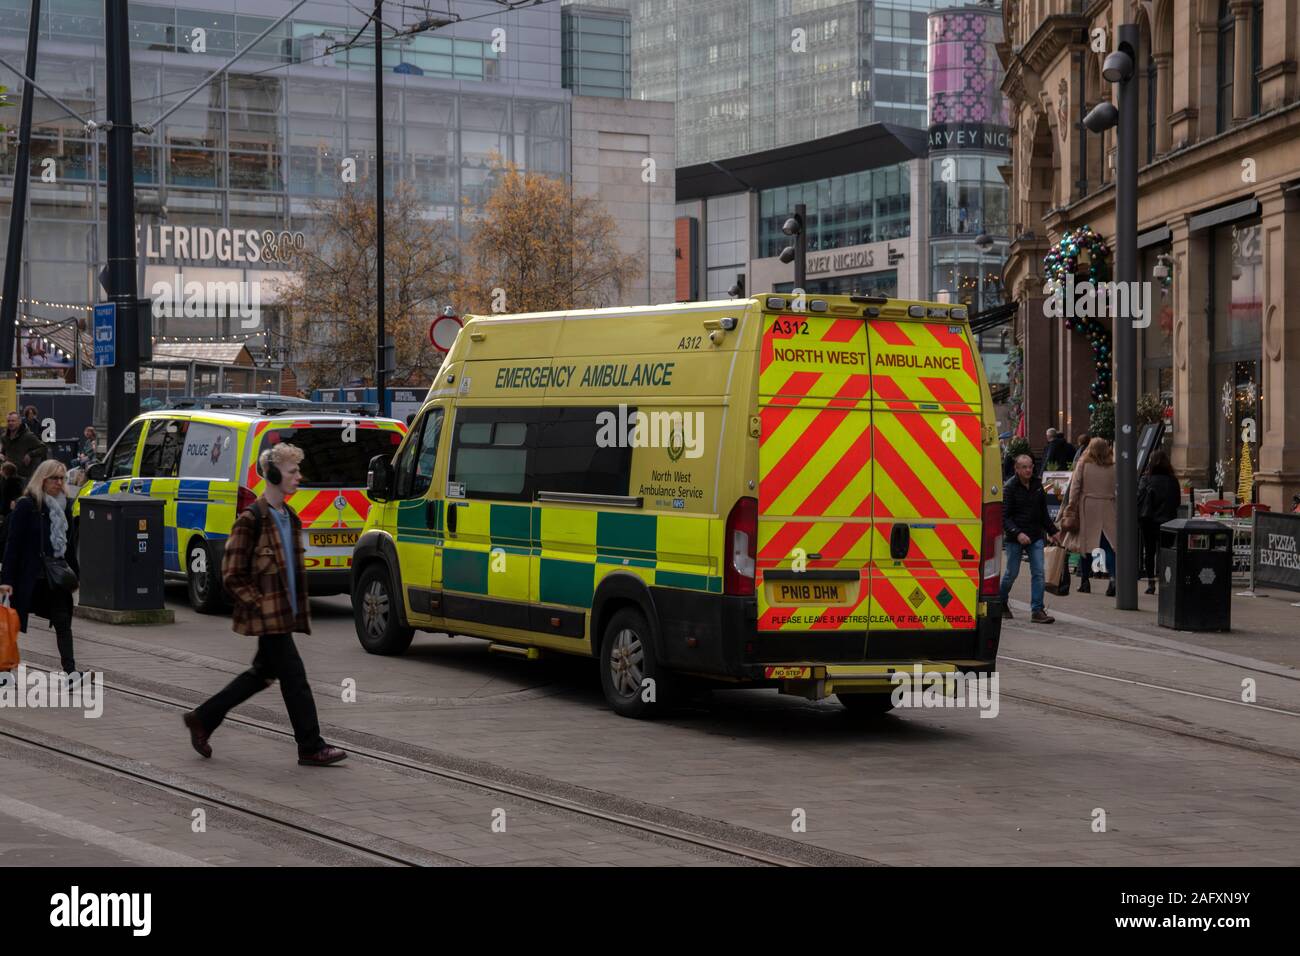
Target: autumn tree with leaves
536,247
332,293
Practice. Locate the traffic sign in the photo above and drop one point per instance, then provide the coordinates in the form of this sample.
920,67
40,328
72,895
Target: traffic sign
105,334
443,331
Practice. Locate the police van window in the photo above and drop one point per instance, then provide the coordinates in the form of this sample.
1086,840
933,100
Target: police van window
208,451
335,455
574,456
414,470
122,459
163,443
489,454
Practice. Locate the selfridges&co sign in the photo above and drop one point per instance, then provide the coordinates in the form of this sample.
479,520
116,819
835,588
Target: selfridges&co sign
222,245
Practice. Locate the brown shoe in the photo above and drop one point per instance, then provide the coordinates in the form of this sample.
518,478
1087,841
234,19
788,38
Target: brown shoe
198,736
1042,617
323,757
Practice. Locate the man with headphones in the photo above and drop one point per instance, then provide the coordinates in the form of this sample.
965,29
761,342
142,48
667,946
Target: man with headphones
265,573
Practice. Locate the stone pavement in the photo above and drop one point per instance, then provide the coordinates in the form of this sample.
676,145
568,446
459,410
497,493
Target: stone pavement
921,787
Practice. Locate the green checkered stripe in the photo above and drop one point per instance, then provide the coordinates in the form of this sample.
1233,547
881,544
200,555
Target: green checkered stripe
583,546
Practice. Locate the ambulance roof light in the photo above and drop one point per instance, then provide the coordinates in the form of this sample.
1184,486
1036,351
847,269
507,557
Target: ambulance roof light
817,305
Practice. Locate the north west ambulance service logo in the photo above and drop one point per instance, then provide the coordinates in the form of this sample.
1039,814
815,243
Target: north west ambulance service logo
676,445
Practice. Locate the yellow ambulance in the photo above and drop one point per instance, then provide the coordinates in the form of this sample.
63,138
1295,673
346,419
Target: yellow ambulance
800,493
199,456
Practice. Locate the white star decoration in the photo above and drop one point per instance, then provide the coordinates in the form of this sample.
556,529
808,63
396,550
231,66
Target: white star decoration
1227,399
1252,392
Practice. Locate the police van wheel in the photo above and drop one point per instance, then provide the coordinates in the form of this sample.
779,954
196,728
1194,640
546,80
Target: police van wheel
206,593
633,682
378,628
867,705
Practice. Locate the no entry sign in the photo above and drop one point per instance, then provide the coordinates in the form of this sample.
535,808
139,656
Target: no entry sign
443,331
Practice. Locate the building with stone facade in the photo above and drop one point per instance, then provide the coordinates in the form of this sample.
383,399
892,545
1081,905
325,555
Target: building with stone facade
1218,219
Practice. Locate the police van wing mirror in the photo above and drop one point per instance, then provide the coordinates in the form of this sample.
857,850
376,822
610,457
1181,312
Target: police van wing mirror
379,478
97,471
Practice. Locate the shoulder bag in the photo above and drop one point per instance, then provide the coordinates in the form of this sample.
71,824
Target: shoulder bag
58,573
1068,519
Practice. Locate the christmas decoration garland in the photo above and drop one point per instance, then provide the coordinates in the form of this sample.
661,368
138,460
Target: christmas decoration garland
1083,253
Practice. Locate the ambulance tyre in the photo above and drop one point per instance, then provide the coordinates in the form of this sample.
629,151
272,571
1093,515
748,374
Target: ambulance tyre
207,595
378,627
634,683
866,706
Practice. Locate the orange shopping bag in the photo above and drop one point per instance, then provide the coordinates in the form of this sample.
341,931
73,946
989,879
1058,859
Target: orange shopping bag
8,635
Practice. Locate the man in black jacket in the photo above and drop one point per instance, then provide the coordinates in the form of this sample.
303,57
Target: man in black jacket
1059,453
1026,525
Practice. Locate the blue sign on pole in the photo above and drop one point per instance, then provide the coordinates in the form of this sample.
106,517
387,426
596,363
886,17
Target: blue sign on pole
105,334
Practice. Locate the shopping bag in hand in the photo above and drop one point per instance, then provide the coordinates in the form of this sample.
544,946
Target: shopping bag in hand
1056,570
8,635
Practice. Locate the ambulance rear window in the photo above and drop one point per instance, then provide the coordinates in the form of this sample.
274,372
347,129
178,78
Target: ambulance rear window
331,462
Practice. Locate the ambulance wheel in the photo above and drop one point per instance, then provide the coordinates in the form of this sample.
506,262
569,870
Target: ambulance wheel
861,706
634,683
203,578
373,610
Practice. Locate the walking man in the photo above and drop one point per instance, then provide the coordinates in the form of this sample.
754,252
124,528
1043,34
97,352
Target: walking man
264,571
1026,525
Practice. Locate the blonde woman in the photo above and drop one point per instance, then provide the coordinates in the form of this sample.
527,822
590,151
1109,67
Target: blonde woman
40,529
1089,514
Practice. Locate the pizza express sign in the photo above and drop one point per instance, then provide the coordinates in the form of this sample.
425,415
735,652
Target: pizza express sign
958,136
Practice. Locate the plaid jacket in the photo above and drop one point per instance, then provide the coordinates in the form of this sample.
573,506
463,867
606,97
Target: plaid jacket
254,574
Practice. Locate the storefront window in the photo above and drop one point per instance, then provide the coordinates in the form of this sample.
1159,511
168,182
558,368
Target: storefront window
842,211
1158,337
1237,294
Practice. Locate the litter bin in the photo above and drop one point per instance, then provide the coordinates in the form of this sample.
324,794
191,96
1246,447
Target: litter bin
1195,575
120,548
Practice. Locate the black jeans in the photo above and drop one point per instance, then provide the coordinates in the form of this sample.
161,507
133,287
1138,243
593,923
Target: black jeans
60,608
1150,547
277,658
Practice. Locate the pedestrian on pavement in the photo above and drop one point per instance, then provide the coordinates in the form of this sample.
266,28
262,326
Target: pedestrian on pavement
1088,517
40,558
11,489
1026,525
1058,452
264,571
86,452
20,445
1159,496
32,419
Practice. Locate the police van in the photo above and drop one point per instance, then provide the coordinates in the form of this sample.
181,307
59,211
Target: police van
795,493
199,456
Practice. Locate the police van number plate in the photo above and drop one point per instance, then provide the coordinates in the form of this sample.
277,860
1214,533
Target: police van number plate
333,539
809,592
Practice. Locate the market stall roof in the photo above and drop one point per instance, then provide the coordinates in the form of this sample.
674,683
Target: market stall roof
209,353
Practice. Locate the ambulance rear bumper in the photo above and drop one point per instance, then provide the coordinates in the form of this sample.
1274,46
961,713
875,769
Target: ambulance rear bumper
713,634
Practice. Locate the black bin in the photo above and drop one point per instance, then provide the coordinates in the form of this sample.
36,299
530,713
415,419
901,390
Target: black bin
120,547
1195,575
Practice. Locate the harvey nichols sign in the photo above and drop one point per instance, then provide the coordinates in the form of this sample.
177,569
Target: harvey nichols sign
955,136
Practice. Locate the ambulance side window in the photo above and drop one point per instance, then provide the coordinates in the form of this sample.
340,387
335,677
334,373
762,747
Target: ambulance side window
414,471
579,450
122,459
490,451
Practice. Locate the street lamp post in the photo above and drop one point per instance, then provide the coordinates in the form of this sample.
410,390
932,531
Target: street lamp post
1119,70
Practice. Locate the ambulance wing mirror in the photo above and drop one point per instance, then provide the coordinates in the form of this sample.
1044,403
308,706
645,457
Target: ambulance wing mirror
379,479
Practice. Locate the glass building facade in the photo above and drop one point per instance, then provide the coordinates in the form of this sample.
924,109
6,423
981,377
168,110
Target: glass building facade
749,75
969,142
597,57
254,148
851,210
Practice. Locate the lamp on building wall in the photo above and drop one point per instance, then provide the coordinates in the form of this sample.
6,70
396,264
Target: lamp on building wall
1161,270
983,242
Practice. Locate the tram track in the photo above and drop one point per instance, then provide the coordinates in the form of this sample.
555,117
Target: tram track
716,840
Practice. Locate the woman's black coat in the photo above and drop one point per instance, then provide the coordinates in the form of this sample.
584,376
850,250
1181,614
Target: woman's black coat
23,569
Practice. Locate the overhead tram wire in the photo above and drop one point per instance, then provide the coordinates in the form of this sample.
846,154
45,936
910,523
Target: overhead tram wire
360,45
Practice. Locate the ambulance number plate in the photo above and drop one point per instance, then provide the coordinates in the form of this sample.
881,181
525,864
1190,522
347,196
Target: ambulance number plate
807,592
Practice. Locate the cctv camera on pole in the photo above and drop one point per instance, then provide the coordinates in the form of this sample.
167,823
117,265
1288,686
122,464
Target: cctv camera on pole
798,251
